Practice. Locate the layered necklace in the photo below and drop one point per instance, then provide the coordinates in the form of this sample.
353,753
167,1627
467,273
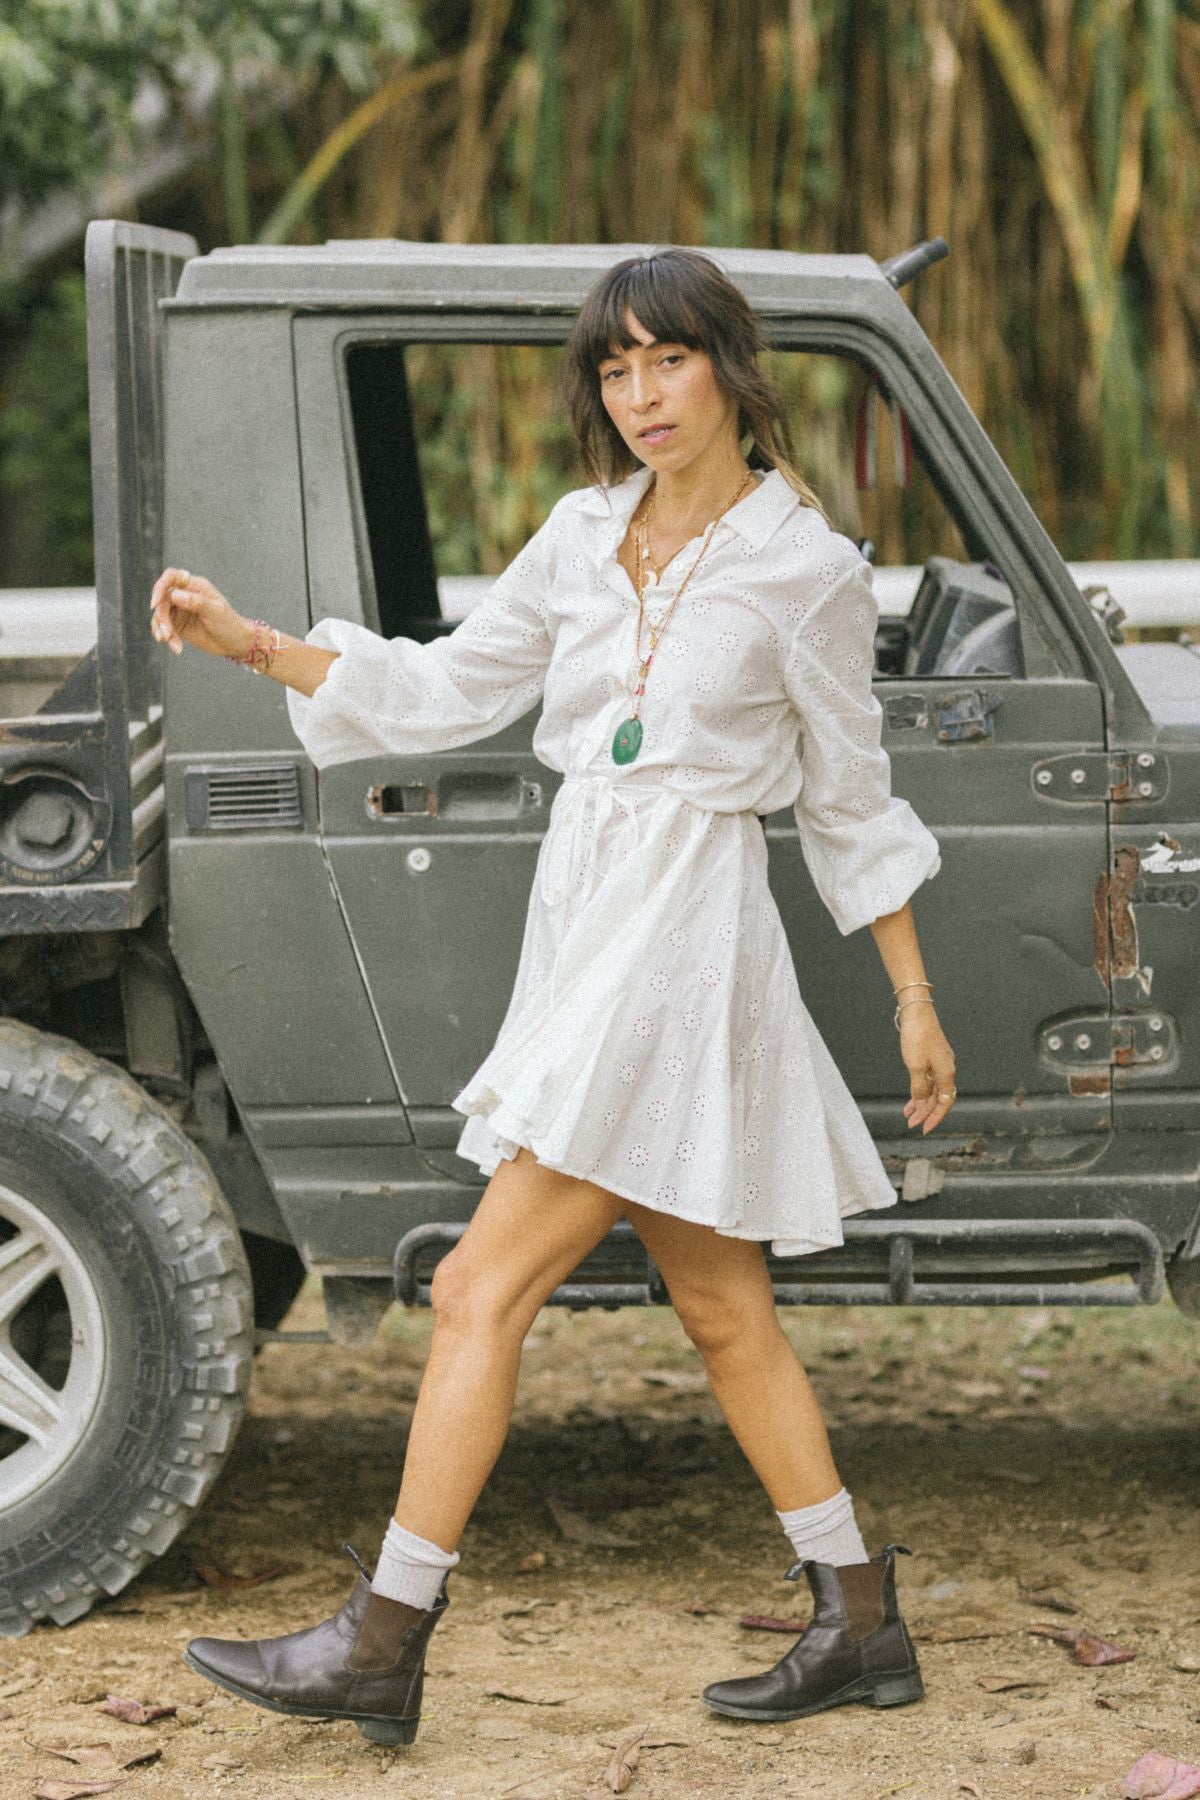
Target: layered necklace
628,739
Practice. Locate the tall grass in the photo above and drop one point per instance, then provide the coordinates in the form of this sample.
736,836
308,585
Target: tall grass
1055,145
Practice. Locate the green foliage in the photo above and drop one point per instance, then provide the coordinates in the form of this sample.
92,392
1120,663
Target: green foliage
70,69
496,449
44,457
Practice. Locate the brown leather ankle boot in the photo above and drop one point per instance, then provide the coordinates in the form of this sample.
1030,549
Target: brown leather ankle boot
856,1647
366,1663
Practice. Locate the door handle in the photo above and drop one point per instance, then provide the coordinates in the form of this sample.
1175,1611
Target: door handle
967,715
462,794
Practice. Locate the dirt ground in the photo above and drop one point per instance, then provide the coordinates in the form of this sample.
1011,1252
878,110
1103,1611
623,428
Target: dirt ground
1033,1461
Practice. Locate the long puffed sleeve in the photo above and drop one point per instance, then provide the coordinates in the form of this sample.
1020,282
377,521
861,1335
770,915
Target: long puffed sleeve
396,696
865,847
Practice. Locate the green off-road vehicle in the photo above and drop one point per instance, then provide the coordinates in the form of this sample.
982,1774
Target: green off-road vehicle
239,995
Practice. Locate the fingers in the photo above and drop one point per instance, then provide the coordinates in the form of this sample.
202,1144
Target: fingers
175,590
933,1094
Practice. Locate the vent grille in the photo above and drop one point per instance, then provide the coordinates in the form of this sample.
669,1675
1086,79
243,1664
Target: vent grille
262,796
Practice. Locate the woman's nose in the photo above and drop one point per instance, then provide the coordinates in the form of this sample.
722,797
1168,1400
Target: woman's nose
643,392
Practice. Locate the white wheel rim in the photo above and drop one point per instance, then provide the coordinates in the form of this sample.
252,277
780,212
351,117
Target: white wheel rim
51,1420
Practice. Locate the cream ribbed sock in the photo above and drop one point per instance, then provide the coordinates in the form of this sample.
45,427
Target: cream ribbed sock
827,1531
410,1568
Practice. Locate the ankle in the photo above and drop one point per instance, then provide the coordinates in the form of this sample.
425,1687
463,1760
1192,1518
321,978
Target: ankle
411,1569
827,1532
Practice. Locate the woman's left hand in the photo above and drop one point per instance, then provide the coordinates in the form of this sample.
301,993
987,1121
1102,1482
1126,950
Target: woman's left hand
930,1064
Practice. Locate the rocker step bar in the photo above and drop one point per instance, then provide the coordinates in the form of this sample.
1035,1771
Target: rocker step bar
916,1262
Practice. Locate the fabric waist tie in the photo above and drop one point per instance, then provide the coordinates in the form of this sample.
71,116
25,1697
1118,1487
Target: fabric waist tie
584,801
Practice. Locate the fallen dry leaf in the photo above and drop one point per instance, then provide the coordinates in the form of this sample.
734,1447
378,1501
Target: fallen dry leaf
101,1760
214,1577
1102,1700
761,1622
221,1761
496,1692
1094,1652
84,1756
692,1609
968,1787
529,1565
74,1790
1000,1684
1158,1777
580,1531
133,1712
624,1760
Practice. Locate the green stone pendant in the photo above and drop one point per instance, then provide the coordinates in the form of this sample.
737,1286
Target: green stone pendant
628,740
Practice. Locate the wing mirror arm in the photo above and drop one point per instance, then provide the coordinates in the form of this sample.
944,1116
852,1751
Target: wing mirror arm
901,269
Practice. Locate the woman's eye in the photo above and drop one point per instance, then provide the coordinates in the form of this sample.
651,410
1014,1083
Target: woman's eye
673,356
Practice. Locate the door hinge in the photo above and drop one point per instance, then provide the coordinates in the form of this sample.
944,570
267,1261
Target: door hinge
1089,1046
1101,775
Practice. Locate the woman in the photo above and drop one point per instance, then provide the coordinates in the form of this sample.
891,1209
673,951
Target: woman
685,620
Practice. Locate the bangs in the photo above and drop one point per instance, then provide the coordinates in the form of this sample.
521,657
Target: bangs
653,290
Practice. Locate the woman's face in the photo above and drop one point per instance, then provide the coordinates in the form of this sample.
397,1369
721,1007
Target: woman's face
665,402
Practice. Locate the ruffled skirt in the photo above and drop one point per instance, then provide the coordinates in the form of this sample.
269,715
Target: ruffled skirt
656,1042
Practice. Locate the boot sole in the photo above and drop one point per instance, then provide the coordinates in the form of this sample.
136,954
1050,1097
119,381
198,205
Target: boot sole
884,1690
375,1729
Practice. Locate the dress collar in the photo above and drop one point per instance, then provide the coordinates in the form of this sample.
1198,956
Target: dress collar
755,518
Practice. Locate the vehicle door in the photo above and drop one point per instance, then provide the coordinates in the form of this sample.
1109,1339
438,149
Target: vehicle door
432,856
995,729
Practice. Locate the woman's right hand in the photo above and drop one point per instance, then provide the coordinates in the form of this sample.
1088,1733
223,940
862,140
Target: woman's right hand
188,609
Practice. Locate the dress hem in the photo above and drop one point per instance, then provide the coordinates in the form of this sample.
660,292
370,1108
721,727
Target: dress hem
783,1247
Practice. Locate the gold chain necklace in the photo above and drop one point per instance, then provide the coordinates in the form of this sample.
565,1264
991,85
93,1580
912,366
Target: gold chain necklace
628,739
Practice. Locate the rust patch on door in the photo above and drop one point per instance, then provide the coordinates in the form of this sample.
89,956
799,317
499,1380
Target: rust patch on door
1114,927
1098,1083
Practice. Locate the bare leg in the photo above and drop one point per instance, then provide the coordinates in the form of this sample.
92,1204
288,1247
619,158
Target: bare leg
721,1290
530,1229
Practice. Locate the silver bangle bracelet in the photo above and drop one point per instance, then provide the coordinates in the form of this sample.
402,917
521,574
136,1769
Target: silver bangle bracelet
925,1000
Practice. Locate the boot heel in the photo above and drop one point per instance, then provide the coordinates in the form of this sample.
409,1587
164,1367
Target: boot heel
390,1731
895,1690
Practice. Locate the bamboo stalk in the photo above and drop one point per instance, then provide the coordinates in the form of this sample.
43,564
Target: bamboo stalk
343,138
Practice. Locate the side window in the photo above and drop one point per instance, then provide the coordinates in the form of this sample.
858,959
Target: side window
945,607
461,450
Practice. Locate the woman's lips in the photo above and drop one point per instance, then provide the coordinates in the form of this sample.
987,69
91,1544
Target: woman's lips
657,434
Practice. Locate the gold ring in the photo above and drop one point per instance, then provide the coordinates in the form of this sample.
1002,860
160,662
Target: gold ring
949,1096
184,577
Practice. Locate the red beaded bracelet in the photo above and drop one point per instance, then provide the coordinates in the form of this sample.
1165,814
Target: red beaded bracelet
258,657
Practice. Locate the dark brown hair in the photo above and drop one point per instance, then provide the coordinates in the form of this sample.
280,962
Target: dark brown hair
680,296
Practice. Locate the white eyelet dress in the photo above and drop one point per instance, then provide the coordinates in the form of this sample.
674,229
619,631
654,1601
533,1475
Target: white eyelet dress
656,1041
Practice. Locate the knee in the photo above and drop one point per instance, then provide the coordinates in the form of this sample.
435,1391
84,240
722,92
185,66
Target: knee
460,1295
719,1328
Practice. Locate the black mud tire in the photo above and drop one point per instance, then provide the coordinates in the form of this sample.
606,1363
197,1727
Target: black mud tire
148,1271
